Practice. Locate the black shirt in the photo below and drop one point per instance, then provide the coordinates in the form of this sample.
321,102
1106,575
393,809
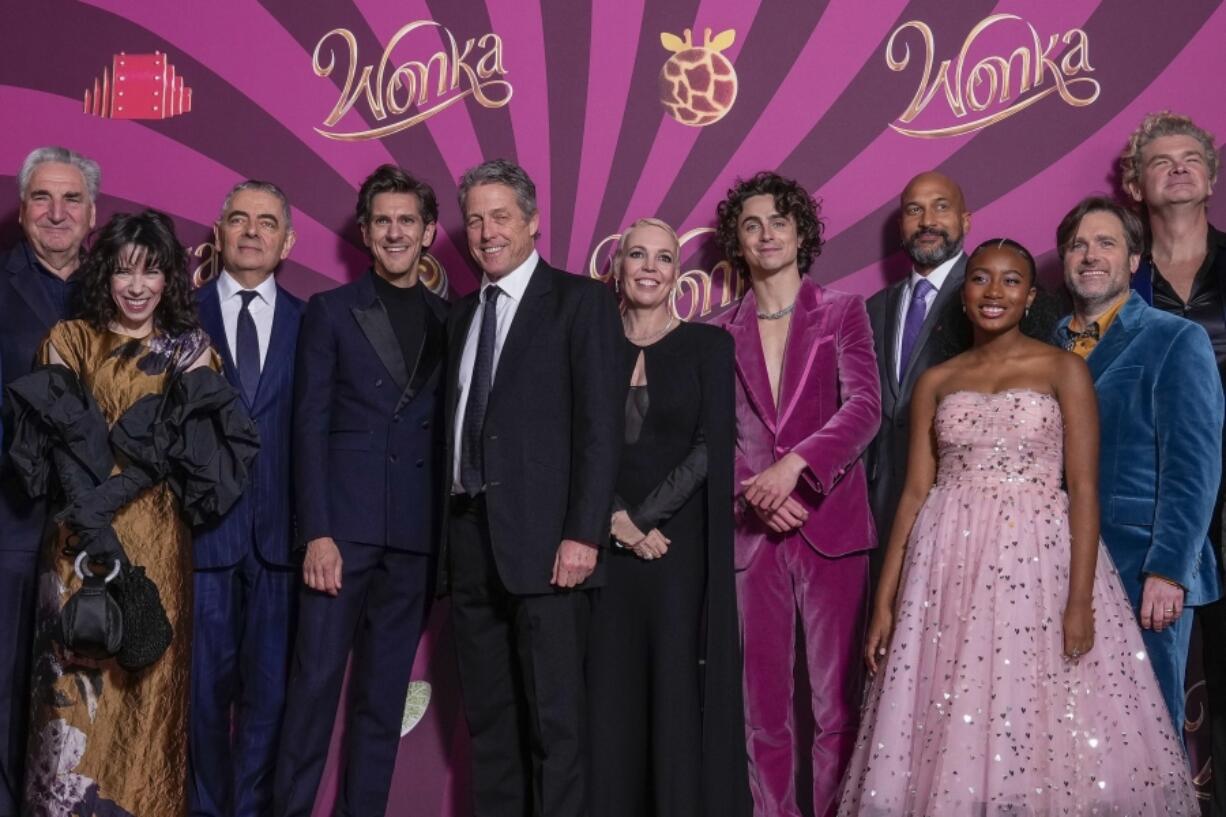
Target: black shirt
1205,304
59,292
406,309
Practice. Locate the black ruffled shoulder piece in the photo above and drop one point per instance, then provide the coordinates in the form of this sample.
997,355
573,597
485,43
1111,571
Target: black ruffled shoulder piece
51,408
211,444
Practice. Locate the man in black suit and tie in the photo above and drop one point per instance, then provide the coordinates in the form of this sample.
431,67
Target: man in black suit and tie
58,189
910,321
366,477
534,412
245,565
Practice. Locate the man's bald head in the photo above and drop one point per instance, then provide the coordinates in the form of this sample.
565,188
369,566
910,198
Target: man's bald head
933,180
933,220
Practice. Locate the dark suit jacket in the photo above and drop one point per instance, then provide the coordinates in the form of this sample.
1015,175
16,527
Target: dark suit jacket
887,456
264,513
553,425
365,422
26,316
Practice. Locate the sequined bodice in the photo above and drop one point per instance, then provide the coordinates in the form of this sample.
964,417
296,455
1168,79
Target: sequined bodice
1010,437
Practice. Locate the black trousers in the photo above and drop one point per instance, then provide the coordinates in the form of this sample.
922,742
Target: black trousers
378,615
18,585
521,674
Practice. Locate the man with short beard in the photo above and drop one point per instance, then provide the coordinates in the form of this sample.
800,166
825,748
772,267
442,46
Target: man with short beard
58,189
909,319
1160,408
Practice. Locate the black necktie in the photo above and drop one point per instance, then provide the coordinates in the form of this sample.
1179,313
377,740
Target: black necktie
472,460
247,355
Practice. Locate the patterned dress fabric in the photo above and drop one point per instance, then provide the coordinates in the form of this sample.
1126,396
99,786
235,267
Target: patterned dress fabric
976,711
106,742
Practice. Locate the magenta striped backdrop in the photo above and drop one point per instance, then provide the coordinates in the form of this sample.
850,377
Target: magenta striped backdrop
816,99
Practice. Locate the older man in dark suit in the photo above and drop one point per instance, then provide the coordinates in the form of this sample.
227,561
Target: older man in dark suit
534,427
245,581
369,365
58,188
910,320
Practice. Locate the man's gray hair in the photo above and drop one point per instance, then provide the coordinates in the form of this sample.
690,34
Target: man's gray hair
260,187
52,153
501,171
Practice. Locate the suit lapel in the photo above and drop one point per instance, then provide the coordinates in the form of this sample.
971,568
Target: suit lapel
889,354
210,317
750,362
25,281
428,354
375,324
465,311
527,317
1117,337
801,348
280,342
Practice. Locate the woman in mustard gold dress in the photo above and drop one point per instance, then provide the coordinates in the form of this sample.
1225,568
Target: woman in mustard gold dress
133,381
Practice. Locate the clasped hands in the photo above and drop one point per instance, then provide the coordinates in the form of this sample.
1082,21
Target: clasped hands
650,545
769,493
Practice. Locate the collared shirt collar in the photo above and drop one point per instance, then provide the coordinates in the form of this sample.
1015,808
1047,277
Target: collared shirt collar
228,287
32,258
937,276
1082,340
515,282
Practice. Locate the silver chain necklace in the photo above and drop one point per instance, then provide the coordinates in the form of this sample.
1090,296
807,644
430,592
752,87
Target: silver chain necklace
644,341
774,316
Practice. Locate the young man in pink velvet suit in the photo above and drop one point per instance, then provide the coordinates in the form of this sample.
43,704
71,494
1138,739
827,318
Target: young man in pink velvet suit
808,404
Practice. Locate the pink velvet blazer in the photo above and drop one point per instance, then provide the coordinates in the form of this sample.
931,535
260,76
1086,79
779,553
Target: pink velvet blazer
828,413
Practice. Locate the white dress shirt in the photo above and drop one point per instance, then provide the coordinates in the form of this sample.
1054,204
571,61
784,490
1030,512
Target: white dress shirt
513,286
261,309
937,279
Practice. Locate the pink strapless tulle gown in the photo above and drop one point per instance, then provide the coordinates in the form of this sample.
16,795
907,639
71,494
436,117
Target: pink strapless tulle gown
976,712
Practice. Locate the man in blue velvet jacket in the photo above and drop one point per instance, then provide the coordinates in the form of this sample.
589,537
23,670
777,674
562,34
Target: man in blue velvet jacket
1160,410
367,479
58,189
245,576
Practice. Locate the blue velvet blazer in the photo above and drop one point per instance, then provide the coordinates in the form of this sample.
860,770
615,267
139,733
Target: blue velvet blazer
1160,409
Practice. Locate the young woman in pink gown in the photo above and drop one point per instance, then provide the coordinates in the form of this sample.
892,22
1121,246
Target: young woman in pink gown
1009,676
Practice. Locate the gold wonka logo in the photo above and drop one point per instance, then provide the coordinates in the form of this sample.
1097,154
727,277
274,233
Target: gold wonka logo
414,90
994,87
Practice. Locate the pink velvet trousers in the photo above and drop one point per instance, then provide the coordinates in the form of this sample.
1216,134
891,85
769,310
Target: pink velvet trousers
787,580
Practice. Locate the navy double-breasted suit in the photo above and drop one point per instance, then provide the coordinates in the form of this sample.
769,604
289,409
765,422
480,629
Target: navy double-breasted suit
26,316
245,587
366,474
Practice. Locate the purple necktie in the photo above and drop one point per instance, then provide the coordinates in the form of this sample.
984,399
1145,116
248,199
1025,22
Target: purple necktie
911,326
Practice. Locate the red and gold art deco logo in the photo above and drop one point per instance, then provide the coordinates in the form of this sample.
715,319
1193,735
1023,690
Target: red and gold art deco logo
698,83
138,86
1003,67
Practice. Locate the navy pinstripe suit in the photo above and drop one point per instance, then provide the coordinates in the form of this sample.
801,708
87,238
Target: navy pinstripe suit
246,584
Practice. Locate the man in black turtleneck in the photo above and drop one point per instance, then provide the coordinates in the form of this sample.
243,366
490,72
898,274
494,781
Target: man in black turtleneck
366,450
